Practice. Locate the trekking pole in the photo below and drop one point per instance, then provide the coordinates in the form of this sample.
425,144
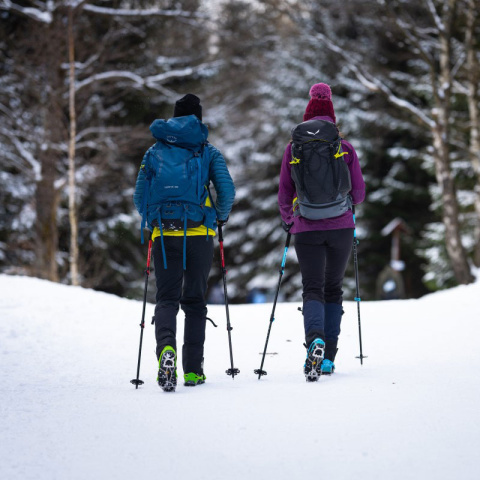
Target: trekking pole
136,381
260,371
231,371
357,297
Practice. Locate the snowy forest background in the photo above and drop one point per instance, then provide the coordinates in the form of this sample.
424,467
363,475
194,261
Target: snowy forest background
81,81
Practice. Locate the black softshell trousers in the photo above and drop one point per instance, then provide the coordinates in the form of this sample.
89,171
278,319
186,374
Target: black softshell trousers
186,288
323,257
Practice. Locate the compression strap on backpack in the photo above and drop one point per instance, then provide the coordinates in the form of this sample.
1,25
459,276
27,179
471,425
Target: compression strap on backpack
161,240
333,157
185,239
199,176
338,154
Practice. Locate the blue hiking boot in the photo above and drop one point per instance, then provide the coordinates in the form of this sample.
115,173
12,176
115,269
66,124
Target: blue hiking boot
313,362
327,367
167,369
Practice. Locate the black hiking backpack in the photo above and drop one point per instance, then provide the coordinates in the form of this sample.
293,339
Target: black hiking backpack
321,176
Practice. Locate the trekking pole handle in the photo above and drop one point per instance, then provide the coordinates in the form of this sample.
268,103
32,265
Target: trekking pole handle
220,233
222,256
147,274
220,241
287,244
149,256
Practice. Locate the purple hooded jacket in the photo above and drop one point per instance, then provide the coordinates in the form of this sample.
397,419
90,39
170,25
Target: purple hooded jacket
286,193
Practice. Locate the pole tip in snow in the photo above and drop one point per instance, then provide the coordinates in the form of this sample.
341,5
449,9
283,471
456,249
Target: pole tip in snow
259,372
136,382
232,372
361,357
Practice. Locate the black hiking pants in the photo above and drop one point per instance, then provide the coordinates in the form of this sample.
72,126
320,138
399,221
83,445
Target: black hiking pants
186,288
323,257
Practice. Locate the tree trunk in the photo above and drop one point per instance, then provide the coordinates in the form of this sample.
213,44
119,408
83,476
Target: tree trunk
46,196
453,243
474,130
46,222
72,207
441,142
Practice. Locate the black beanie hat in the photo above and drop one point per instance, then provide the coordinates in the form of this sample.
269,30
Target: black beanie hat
188,105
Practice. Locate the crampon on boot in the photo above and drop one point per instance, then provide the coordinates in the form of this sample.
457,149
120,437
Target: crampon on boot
315,353
167,369
192,379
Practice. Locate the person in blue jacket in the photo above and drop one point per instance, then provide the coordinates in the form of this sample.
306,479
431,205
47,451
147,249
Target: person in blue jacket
183,258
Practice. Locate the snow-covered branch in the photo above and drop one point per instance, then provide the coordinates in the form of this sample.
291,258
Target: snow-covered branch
414,40
460,87
46,16
153,81
124,12
24,153
98,131
376,85
372,83
6,110
436,18
34,13
112,75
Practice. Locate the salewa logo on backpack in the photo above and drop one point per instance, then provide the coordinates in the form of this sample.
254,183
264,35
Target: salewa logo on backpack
321,176
171,139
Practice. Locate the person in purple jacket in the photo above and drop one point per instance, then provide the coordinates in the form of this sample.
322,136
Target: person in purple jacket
323,248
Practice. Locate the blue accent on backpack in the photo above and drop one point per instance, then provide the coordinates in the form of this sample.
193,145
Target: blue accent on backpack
177,175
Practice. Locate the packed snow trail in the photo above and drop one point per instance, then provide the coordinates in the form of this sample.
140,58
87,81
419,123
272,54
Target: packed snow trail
69,410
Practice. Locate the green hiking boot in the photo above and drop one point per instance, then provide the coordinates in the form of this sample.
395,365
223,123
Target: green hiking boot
192,379
167,369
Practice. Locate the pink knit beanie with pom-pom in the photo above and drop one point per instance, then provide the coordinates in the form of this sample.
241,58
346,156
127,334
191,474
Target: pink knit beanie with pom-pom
320,104
321,91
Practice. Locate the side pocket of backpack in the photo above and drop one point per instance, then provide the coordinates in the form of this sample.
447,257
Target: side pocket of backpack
210,218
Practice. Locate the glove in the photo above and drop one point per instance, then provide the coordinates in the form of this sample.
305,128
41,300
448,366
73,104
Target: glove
287,226
222,223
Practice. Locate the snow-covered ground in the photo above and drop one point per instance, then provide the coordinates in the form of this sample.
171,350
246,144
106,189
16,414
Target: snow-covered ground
68,410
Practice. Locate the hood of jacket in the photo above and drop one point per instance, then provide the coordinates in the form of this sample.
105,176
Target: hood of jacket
186,132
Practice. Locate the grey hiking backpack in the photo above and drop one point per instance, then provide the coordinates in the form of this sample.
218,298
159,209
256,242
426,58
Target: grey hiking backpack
321,176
